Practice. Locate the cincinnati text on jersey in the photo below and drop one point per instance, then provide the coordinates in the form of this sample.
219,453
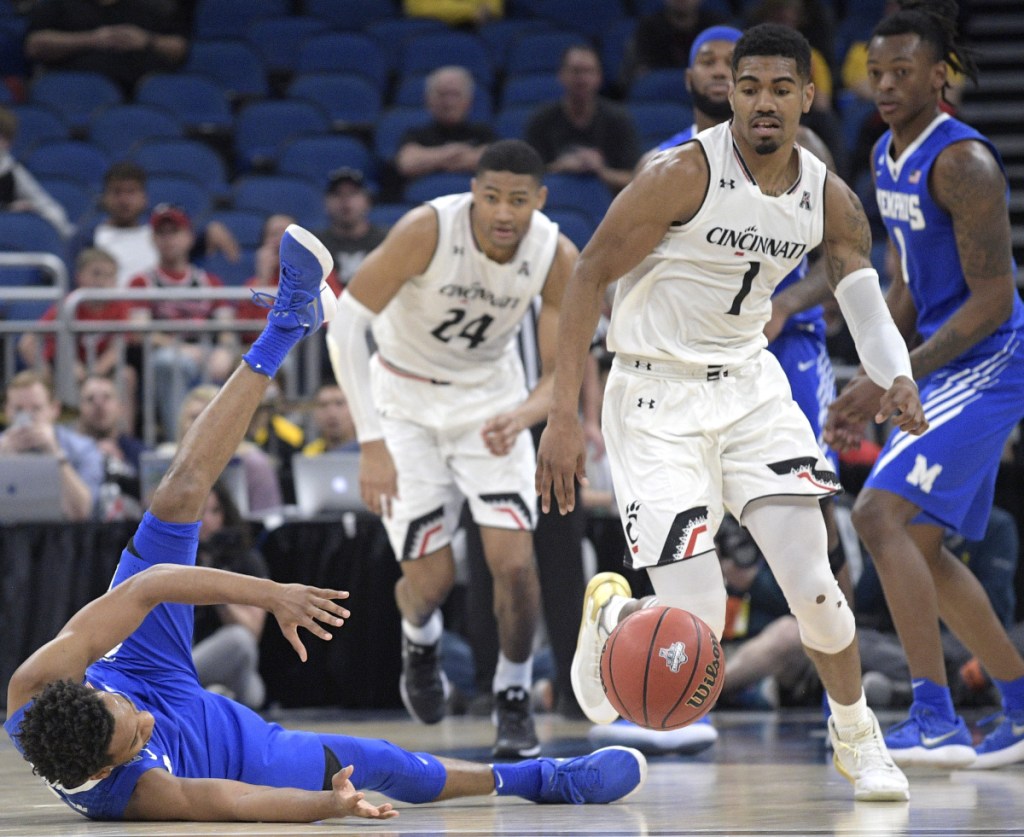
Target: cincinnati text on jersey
750,240
476,291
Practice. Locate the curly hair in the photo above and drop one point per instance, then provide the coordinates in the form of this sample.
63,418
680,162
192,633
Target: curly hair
774,39
66,733
935,23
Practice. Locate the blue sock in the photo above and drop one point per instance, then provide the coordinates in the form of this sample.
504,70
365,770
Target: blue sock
271,348
520,779
1012,692
935,697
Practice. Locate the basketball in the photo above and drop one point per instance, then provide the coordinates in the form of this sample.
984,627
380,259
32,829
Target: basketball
661,668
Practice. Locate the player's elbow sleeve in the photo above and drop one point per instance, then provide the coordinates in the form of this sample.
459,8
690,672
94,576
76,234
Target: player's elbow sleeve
880,345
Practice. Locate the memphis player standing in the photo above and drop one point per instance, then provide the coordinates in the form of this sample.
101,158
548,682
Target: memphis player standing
942,192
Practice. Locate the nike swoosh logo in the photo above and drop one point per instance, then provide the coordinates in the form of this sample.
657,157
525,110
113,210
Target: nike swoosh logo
805,365
916,683
1018,729
938,739
423,760
498,781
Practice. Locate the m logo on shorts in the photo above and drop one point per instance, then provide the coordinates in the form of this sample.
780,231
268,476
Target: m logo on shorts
923,476
687,536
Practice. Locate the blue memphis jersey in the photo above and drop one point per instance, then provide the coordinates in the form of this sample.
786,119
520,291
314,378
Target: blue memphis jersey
923,233
810,321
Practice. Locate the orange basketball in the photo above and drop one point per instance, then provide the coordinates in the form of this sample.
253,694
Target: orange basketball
661,668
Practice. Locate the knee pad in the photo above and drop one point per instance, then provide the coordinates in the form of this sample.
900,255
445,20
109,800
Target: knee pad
823,615
695,585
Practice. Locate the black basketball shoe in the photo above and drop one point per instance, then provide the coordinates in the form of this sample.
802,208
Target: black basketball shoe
423,685
517,738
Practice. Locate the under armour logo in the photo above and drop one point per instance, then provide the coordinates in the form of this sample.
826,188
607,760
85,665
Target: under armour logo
722,183
648,401
524,269
640,364
458,251
674,656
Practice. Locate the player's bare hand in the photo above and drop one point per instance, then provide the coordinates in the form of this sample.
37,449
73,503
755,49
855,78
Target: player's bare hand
902,403
500,433
849,414
561,460
299,606
352,803
378,479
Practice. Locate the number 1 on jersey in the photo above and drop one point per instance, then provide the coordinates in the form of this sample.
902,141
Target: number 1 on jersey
748,281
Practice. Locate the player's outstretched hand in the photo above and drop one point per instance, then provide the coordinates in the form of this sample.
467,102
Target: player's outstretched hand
378,479
851,411
902,403
298,606
352,803
500,433
561,460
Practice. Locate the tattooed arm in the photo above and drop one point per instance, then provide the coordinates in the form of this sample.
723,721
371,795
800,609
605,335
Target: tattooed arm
967,182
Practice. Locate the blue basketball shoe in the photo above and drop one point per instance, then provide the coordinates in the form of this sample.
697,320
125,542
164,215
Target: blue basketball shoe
1004,745
303,299
926,740
602,777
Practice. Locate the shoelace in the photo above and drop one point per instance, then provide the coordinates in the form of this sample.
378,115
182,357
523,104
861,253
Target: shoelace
300,299
569,781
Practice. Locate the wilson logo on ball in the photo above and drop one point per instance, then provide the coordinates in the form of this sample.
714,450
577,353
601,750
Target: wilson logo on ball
707,685
674,656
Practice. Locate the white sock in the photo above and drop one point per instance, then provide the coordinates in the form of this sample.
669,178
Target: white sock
850,719
427,634
611,612
509,674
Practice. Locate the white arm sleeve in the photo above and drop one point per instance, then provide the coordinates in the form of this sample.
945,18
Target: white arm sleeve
350,359
880,345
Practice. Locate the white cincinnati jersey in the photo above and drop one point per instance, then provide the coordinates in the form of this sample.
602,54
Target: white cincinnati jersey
458,320
704,294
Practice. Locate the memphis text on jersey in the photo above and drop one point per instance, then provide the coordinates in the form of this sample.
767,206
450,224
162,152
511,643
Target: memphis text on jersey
901,207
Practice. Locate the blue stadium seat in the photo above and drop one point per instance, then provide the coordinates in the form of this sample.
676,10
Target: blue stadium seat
511,122
117,128
313,158
387,214
431,186
391,127
198,101
76,199
657,121
614,45
26,232
351,101
83,161
231,273
411,90
541,52
188,157
392,33
343,52
354,15
261,127
427,52
246,225
37,123
661,86
530,89
235,66
12,51
575,224
278,40
499,35
293,196
585,193
853,112
231,18
187,192
593,20
75,95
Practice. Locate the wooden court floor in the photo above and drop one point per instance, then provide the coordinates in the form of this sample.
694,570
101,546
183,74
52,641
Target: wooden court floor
768,774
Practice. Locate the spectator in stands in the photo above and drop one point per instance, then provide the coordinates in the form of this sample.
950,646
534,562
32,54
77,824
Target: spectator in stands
226,641
19,190
102,417
464,13
583,133
97,353
349,234
449,142
181,360
122,39
262,483
662,40
125,232
277,435
335,429
31,411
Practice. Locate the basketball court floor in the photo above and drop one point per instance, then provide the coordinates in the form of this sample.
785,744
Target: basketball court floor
769,774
